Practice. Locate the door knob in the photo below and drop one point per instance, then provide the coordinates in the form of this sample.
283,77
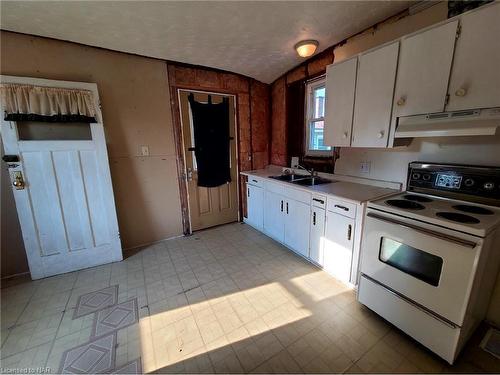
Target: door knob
461,92
401,102
18,182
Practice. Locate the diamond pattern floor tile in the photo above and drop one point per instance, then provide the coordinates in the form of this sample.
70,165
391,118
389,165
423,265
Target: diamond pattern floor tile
96,356
94,301
115,317
133,367
258,309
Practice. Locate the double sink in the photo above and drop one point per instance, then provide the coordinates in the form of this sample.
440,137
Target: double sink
302,180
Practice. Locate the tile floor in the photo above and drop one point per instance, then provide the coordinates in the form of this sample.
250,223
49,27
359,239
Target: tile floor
227,299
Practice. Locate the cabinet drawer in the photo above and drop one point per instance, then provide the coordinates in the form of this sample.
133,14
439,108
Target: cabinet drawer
298,195
342,207
255,181
319,201
275,187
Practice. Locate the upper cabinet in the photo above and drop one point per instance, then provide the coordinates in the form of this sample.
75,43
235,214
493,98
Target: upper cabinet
340,87
374,95
475,76
449,67
424,70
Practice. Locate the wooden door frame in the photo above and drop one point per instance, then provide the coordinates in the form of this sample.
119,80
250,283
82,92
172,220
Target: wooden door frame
181,152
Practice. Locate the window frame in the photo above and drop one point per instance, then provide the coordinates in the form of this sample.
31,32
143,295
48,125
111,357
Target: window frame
311,86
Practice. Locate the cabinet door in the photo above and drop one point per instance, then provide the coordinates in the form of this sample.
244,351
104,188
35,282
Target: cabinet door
475,76
339,239
317,235
424,70
274,218
297,222
255,206
374,96
340,87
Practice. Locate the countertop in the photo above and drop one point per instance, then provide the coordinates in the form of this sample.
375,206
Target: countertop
354,192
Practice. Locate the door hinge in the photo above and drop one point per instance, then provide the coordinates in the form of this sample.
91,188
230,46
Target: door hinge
446,99
459,31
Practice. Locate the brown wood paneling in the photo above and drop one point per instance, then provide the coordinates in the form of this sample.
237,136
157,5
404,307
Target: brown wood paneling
295,118
278,116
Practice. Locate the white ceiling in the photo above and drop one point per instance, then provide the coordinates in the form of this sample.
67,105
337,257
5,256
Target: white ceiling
248,37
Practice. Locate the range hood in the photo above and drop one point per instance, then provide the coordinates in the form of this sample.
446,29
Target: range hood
449,124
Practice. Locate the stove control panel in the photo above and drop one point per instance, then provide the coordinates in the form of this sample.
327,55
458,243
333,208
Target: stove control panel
480,182
448,181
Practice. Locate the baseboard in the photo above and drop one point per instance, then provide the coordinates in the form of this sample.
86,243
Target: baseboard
15,275
150,243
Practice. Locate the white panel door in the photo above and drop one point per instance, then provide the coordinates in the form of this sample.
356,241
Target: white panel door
340,87
317,235
255,206
297,222
374,96
66,209
338,246
274,217
475,76
424,70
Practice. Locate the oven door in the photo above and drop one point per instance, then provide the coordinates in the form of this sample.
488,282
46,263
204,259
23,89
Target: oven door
429,265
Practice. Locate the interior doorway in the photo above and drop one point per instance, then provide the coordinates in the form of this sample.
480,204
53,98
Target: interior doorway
208,206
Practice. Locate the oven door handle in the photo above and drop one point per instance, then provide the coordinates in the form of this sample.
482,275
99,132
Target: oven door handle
432,233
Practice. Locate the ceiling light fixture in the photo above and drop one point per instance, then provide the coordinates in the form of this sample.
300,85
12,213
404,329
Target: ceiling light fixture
306,48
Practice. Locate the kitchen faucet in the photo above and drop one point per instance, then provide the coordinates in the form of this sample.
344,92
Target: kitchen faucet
311,171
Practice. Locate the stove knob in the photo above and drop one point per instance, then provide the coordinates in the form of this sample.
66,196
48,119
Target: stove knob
415,176
489,185
469,182
427,177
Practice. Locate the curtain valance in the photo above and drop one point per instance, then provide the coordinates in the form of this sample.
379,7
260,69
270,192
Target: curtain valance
49,104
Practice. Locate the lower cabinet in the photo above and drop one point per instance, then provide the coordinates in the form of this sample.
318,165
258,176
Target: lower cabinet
255,207
318,228
297,226
287,221
338,245
274,216
317,235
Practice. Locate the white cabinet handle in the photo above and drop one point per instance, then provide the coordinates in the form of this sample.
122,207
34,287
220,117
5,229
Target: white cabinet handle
401,102
345,135
461,92
380,134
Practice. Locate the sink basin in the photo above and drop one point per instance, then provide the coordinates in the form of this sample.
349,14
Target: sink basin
312,181
289,177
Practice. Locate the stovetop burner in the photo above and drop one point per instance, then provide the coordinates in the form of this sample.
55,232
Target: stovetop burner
417,198
460,218
406,204
473,209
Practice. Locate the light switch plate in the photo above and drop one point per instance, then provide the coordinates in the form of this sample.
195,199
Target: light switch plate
295,161
364,167
144,150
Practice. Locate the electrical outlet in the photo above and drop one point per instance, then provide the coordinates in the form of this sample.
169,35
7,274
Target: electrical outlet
144,150
295,162
364,167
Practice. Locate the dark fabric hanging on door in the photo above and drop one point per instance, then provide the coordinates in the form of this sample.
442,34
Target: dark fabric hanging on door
212,141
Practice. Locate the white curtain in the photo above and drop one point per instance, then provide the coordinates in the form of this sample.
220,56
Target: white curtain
46,101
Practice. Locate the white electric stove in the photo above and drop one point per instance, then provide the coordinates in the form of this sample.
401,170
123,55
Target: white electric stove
430,255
